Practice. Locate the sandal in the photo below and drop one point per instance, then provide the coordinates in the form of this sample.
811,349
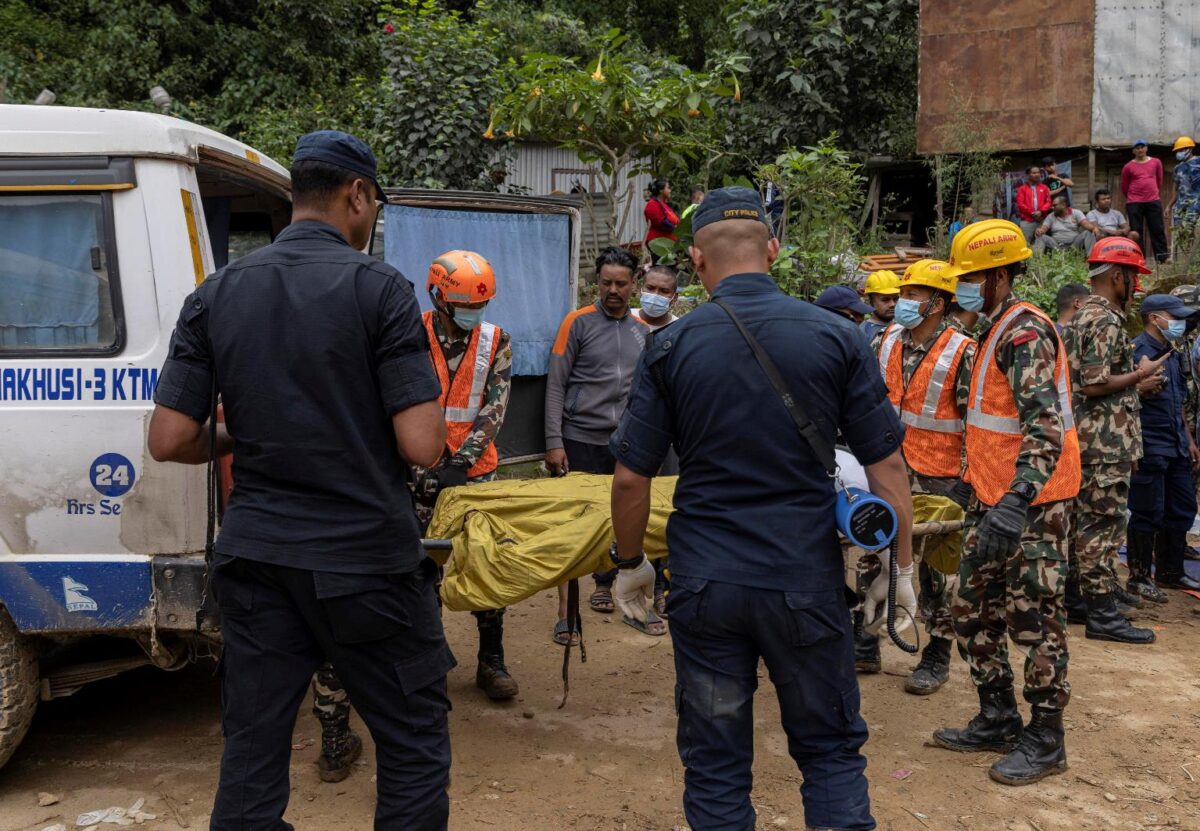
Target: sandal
652,620
602,600
660,603
560,633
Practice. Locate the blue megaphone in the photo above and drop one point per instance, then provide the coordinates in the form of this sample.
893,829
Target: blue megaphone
864,519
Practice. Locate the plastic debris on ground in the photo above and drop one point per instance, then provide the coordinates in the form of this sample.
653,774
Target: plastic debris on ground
133,815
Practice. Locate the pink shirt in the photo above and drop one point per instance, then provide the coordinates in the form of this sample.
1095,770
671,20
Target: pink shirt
1141,182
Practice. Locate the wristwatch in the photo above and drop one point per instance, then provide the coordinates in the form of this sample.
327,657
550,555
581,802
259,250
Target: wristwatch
633,562
1025,490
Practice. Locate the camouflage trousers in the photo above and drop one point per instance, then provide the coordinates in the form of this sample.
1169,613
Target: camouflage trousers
1100,525
331,706
1018,596
934,597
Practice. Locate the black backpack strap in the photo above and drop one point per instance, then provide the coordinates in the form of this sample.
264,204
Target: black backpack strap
822,448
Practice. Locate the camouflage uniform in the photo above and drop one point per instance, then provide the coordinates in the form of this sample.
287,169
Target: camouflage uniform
330,704
1110,438
934,600
1024,594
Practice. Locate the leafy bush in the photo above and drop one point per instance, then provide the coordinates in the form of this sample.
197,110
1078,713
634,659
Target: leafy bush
1046,274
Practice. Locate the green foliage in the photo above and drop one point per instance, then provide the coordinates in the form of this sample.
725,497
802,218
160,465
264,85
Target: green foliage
617,109
820,66
1046,274
822,190
442,71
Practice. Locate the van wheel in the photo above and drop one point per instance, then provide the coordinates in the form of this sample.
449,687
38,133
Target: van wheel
18,686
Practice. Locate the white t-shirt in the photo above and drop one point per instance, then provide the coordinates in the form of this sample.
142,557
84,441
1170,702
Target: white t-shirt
654,326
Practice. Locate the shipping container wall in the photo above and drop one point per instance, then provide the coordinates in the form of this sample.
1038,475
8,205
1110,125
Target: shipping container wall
1146,83
540,169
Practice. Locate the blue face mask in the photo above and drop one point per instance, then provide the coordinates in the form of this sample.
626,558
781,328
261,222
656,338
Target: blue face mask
655,305
1183,155
908,313
467,319
1175,330
969,296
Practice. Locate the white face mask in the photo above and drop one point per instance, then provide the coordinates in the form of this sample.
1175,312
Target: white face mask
655,305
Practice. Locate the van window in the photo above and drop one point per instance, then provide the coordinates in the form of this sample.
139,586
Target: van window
56,291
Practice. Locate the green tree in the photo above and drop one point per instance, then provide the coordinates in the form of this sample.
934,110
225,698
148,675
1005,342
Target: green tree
618,110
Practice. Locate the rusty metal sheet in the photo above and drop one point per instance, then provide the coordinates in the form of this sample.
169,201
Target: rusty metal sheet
1145,80
1022,68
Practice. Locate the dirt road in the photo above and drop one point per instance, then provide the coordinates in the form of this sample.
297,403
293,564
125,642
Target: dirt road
608,760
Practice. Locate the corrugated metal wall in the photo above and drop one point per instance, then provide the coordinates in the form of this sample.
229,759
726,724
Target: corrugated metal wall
1146,84
541,169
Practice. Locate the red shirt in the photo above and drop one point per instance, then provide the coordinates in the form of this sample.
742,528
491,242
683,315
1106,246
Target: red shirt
1141,182
662,219
1032,198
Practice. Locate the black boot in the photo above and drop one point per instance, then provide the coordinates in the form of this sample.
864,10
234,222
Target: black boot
1073,600
491,675
1039,754
1124,598
997,726
340,746
1140,548
866,649
1104,622
933,669
1170,566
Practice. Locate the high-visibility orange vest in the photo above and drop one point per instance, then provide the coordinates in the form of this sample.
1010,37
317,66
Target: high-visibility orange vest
933,435
462,399
994,426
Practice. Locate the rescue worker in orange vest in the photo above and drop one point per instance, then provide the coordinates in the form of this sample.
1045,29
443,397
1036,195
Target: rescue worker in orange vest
926,364
473,361
1023,471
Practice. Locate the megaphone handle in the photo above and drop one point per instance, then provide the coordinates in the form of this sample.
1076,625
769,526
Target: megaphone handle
893,579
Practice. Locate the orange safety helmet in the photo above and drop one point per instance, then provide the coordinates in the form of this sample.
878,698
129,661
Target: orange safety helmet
461,277
1118,251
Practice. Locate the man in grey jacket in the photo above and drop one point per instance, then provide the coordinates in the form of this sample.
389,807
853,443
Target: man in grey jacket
591,366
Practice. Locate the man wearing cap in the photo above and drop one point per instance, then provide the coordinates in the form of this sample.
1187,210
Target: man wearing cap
320,359
1023,468
882,291
844,301
1141,182
1104,383
926,364
756,567
1162,495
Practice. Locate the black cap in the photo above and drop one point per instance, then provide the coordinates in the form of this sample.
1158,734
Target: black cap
1167,303
728,203
340,149
842,297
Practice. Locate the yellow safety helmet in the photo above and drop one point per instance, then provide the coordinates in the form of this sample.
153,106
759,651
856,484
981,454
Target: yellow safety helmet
988,244
934,274
1183,143
882,282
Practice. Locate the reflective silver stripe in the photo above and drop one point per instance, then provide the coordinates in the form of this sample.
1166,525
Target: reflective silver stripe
890,337
1001,424
936,425
996,424
483,362
937,381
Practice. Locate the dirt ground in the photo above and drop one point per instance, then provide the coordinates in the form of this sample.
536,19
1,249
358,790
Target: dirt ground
608,760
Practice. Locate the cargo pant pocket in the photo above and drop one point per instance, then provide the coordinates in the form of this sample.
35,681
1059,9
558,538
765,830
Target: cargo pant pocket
423,682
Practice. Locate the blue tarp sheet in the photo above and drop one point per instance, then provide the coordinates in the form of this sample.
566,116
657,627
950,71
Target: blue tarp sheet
530,254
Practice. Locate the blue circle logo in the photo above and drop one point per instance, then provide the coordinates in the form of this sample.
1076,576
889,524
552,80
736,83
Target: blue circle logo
112,474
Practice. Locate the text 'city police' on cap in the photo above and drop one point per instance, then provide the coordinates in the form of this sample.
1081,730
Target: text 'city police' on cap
340,149
1167,303
728,203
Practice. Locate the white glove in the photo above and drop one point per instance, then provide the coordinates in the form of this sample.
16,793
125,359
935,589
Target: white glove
634,590
875,604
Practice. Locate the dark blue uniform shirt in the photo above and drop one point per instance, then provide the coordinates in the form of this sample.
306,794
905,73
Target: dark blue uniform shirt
753,505
1163,427
315,346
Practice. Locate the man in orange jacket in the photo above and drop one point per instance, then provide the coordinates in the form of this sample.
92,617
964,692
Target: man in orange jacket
1023,471
926,364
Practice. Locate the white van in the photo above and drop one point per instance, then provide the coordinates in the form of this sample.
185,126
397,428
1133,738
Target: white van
108,219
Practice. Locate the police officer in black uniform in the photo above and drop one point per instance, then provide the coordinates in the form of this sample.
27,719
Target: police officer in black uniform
321,362
756,567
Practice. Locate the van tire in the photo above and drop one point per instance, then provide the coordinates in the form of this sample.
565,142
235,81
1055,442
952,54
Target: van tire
18,686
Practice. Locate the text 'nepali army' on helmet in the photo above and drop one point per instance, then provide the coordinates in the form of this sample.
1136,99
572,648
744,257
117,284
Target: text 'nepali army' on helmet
985,245
934,274
461,278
